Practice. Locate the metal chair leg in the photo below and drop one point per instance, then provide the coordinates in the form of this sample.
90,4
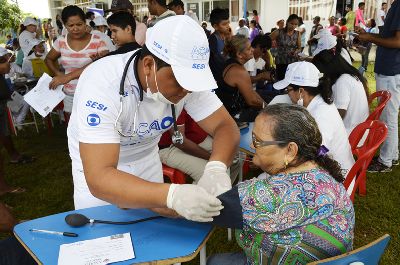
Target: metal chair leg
203,255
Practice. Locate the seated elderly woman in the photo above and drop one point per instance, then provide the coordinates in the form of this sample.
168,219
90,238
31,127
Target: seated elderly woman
235,89
300,212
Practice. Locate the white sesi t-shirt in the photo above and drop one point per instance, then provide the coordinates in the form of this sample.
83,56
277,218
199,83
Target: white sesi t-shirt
334,135
95,110
349,95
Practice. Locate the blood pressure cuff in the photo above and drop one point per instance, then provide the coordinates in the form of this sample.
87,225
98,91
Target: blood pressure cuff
231,216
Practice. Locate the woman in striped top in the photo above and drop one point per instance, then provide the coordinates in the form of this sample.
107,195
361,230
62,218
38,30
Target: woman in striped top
73,52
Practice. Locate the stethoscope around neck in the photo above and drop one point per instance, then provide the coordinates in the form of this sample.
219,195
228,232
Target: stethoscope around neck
177,137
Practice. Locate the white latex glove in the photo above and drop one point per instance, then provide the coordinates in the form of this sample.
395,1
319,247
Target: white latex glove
193,202
215,179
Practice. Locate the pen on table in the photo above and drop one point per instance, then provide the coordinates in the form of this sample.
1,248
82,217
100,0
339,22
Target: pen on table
54,232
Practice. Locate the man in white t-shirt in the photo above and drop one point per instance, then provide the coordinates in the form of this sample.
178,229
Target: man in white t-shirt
381,17
242,29
101,28
113,134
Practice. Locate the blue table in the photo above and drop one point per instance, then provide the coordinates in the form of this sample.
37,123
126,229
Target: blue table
160,241
245,139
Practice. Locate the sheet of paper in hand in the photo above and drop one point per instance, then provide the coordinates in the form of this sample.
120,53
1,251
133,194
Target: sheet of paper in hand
42,98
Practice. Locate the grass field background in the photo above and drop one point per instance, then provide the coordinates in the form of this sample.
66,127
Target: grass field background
49,190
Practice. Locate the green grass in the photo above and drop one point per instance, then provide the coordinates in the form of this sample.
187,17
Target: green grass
49,185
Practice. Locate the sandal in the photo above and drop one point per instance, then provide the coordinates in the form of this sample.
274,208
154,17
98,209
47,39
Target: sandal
23,159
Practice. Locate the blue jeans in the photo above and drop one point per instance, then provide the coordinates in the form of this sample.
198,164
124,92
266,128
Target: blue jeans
390,114
237,258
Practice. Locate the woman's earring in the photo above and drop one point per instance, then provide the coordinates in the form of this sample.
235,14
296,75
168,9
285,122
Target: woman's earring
285,162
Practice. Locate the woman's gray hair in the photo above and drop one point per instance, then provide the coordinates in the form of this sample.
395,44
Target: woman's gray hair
234,45
293,123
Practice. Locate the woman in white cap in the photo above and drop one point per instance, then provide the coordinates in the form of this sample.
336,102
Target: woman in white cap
326,41
101,29
349,87
37,51
304,87
28,33
73,52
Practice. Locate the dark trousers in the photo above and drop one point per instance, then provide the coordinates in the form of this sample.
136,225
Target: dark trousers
13,253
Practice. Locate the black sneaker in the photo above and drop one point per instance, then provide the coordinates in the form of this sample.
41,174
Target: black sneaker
395,162
378,167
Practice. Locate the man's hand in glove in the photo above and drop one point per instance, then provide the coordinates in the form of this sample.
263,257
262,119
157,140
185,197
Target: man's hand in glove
215,179
193,202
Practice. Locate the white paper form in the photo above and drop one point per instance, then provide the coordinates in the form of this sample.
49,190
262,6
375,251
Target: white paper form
43,99
99,251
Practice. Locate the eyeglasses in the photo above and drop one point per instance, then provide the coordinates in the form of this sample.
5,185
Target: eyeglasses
257,143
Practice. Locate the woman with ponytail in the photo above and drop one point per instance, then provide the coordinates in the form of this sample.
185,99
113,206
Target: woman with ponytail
349,88
298,211
305,87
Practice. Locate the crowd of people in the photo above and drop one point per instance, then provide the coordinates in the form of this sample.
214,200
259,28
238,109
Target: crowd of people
167,90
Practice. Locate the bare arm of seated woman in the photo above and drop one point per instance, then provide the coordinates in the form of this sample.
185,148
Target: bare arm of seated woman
238,77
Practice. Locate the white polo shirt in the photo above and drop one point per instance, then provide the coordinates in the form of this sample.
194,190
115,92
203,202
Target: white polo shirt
349,95
334,135
95,110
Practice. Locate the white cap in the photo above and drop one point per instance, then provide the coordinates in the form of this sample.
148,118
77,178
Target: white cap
301,74
3,51
30,21
33,42
100,21
325,42
187,56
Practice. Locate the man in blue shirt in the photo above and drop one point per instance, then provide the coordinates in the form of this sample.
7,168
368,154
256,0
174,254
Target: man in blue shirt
387,74
219,19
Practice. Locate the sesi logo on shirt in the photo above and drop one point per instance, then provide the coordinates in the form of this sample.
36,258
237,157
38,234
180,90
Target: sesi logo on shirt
95,105
93,119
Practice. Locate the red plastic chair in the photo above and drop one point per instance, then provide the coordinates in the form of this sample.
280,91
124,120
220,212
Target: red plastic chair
176,176
383,97
377,132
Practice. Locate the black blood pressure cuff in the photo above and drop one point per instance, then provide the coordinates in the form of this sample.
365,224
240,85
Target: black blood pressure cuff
231,216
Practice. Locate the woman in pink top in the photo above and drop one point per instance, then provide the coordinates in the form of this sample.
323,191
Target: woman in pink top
73,52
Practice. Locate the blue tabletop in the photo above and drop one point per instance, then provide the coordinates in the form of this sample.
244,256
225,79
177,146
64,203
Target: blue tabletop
245,139
158,239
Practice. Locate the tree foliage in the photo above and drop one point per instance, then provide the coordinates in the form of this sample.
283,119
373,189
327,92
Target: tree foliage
10,15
